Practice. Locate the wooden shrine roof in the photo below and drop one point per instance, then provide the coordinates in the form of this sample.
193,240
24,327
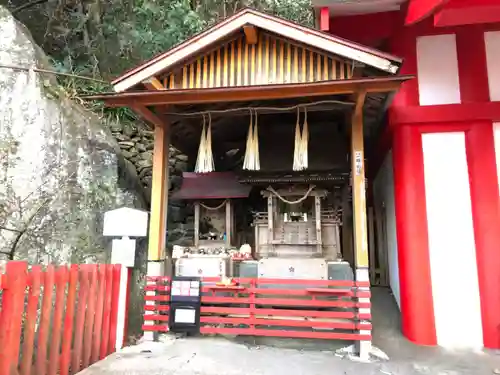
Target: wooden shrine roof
263,33
255,60
213,185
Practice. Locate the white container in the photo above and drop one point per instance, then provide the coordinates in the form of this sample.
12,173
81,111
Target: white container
293,268
202,266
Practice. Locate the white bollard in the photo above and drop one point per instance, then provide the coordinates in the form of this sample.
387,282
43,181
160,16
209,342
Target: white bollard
123,253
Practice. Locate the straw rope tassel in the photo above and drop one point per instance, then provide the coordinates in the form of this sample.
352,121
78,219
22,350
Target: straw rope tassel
205,159
248,151
256,144
305,142
210,167
297,165
201,149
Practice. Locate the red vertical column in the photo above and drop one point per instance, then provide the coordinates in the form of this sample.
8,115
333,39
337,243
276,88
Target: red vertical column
417,312
472,67
481,160
404,44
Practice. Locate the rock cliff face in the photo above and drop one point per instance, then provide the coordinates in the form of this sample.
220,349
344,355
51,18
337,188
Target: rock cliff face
60,168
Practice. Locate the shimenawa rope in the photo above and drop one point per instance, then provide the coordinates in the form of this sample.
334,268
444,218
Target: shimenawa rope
303,198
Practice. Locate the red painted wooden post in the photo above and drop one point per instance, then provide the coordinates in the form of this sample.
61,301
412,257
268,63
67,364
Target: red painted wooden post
103,352
55,337
80,318
69,315
16,279
35,280
114,308
44,327
89,318
96,342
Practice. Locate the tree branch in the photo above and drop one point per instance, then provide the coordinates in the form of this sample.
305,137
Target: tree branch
10,229
28,5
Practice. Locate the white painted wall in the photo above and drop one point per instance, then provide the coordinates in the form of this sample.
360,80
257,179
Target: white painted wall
383,189
492,44
452,251
437,68
496,132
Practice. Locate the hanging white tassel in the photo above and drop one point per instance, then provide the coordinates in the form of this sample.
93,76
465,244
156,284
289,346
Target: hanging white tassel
256,145
300,154
201,149
297,162
252,159
305,142
248,151
205,160
210,166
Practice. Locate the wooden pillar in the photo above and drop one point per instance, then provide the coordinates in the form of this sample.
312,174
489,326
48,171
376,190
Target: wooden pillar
159,202
358,186
270,214
371,247
359,213
159,195
196,224
228,223
347,224
319,242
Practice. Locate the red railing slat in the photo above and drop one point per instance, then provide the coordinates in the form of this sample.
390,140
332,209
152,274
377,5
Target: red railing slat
69,320
45,319
103,351
96,342
259,303
62,330
83,295
285,322
16,280
35,280
55,340
90,317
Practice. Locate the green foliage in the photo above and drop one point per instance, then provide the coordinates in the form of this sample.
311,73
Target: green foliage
104,38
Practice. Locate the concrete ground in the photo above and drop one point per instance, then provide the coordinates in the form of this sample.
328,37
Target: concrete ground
221,356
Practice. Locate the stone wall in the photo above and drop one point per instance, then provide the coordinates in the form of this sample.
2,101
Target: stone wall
136,146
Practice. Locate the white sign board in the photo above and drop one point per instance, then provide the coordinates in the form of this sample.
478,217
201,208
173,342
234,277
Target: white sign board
123,252
127,222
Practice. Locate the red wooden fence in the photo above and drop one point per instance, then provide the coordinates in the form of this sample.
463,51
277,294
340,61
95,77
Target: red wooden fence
320,309
56,320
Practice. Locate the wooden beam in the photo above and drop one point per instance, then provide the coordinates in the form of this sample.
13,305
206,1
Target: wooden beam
358,185
149,116
154,84
159,195
228,223
196,224
251,34
262,92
